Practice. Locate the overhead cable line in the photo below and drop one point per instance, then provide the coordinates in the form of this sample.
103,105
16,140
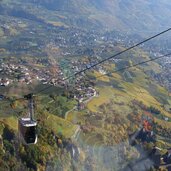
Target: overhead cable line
106,59
134,65
119,53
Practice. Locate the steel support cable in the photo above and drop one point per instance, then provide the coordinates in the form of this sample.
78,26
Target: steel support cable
106,59
134,65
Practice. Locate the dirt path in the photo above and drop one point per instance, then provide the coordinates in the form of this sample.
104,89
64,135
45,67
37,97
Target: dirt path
76,134
66,114
78,130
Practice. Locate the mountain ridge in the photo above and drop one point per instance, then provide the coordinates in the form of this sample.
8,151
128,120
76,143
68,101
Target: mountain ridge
120,15
123,15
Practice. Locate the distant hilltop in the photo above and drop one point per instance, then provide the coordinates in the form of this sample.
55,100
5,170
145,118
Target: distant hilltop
123,15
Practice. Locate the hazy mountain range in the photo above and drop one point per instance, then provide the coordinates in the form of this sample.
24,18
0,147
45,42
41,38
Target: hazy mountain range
124,15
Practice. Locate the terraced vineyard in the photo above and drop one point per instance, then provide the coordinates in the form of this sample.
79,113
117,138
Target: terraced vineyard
105,123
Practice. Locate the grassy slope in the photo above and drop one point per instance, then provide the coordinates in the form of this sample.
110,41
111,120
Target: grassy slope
139,89
104,133
59,125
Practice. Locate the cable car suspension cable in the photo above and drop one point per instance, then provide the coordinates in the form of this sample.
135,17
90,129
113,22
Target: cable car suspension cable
106,59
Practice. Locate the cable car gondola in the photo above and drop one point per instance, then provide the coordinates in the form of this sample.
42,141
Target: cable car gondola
28,126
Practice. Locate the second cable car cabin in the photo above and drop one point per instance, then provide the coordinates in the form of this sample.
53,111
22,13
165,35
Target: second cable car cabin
28,126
